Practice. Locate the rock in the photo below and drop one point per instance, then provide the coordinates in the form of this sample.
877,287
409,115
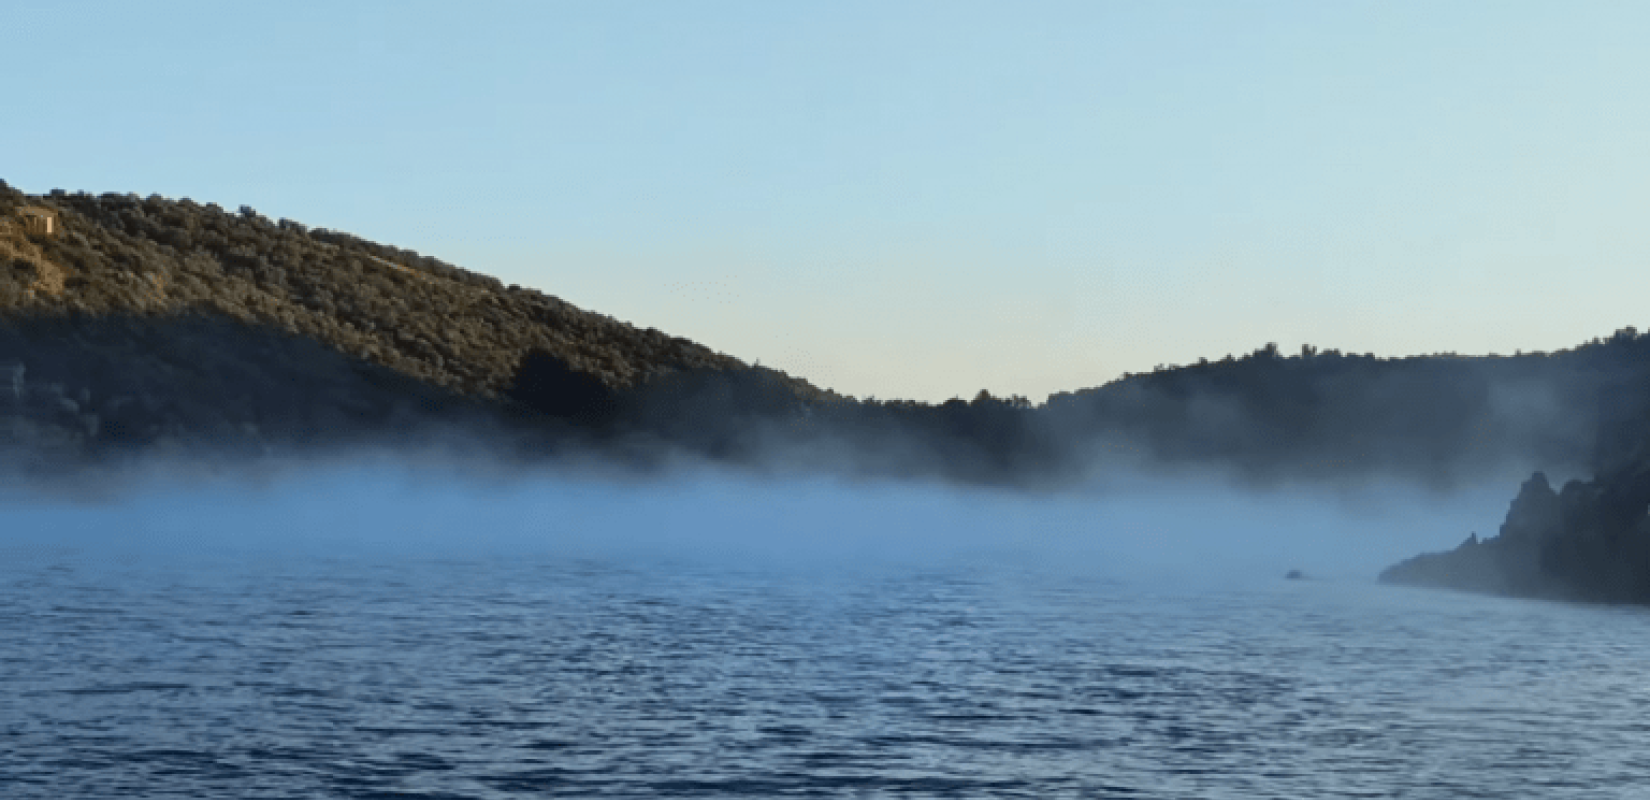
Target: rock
1535,514
1589,542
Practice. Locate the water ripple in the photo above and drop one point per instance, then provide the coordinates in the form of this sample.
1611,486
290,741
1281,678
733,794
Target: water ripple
558,678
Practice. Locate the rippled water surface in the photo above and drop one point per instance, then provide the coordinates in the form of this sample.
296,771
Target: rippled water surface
526,674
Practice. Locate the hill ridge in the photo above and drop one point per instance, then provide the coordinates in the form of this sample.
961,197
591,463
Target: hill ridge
411,313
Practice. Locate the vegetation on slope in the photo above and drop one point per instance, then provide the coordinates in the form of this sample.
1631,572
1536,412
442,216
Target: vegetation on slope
157,319
413,314
146,322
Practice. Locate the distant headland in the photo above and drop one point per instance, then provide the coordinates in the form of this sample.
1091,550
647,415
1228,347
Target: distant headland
133,325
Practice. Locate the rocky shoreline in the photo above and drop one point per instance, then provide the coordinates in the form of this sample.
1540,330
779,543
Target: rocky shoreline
1588,542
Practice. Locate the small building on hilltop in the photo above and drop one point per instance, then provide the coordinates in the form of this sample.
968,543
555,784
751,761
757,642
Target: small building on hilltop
39,222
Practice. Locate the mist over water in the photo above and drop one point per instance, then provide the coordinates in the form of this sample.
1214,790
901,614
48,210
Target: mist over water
371,630
1145,528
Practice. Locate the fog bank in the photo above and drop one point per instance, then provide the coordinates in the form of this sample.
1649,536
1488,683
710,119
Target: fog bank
1187,531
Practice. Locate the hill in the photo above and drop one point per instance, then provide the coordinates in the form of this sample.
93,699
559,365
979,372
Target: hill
417,315
140,324
138,321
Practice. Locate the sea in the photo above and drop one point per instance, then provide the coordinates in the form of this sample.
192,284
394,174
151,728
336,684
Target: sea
351,637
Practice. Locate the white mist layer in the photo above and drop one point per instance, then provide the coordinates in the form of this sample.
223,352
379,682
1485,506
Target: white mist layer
1157,530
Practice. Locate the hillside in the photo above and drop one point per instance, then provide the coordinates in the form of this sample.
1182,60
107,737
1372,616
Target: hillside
417,315
139,322
145,322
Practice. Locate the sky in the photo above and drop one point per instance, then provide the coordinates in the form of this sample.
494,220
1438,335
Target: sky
909,199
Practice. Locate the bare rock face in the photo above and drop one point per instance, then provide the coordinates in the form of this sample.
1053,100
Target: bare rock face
1536,513
1511,563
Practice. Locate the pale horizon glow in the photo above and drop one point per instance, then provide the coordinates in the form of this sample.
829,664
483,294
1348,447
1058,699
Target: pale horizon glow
910,199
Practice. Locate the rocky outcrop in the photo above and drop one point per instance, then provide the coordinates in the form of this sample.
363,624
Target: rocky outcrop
1589,542
1536,514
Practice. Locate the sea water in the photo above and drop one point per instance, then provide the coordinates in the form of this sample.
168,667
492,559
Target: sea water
174,658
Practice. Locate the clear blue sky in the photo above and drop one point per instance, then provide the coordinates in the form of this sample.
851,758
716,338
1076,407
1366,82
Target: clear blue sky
912,199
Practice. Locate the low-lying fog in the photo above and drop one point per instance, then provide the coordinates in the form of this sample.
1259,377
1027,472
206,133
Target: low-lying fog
1151,529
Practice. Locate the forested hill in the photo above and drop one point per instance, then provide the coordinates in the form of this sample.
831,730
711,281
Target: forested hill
1439,417
139,322
158,258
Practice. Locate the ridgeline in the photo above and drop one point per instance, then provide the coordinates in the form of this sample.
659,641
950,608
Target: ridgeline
133,325
128,323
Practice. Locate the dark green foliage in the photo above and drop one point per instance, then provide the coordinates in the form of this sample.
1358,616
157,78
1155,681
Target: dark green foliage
412,313
1318,415
1437,417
